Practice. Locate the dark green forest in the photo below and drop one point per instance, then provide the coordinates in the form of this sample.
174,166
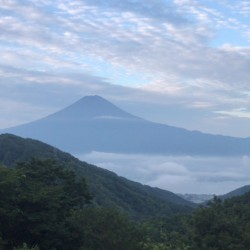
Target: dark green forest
106,188
54,202
45,206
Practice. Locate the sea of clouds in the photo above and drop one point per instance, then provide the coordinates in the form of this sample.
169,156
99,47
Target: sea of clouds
179,174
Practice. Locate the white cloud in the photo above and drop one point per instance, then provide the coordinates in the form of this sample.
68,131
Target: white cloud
184,174
239,112
93,45
170,168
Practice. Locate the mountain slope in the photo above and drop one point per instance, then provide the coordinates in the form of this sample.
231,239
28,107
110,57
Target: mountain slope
237,192
94,124
108,189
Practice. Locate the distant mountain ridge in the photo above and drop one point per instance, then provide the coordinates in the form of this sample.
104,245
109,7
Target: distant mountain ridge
95,124
204,198
237,192
197,198
108,189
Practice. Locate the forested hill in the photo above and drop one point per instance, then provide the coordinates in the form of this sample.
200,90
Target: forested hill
44,205
237,192
106,187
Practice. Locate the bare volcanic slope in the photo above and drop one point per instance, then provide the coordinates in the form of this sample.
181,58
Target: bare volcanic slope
95,124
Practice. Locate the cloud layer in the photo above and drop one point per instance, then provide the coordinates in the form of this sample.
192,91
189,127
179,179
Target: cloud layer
183,54
209,175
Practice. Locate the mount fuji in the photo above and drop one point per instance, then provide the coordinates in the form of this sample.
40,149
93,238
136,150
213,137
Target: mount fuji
95,124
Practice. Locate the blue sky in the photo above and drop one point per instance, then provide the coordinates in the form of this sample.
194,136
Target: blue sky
181,62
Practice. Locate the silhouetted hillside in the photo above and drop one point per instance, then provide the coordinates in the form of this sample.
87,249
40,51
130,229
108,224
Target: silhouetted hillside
237,192
108,189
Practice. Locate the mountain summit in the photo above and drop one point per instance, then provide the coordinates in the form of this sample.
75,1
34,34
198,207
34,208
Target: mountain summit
91,107
95,124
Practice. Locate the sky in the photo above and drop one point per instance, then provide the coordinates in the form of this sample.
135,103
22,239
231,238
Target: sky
180,62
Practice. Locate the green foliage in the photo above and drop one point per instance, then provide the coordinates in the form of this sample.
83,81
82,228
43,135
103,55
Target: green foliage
107,228
36,199
45,203
108,189
26,247
162,246
166,233
237,192
222,225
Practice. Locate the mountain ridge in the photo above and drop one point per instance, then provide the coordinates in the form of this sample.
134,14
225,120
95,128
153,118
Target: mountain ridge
108,189
95,124
236,192
92,107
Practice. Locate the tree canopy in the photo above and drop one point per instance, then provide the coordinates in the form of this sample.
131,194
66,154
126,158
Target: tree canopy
36,200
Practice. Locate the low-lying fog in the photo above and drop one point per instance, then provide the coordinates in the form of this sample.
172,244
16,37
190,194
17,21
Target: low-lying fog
184,174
